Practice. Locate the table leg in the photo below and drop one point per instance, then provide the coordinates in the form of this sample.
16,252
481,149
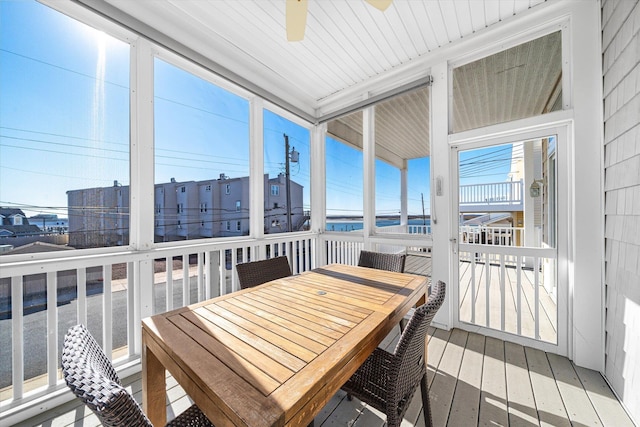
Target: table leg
153,388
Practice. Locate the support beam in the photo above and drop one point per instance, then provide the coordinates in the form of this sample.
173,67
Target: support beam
319,187
441,210
256,168
142,191
369,171
404,190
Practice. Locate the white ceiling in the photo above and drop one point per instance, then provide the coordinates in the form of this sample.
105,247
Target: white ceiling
349,51
347,42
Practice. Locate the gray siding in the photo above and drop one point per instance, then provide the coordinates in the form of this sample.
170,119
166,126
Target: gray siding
621,72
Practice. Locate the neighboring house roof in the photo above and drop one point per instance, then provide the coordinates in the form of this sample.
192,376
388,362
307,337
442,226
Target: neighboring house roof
487,219
8,229
7,213
37,247
19,229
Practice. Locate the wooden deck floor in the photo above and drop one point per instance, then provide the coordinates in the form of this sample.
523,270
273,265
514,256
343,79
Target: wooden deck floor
473,380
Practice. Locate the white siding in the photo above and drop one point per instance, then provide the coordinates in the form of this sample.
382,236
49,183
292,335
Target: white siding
621,72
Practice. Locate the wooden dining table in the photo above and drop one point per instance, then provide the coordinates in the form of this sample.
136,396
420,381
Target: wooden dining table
275,354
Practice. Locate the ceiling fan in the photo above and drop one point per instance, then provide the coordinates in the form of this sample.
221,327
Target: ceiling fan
297,16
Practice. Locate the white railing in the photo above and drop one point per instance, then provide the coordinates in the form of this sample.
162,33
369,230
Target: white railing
419,229
490,235
506,290
411,229
110,291
508,194
343,252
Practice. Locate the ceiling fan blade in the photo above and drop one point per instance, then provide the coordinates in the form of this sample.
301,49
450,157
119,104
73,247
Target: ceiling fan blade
296,19
380,4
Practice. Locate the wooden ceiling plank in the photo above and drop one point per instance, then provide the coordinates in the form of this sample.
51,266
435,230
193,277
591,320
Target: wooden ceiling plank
463,16
492,11
436,20
451,20
477,13
348,53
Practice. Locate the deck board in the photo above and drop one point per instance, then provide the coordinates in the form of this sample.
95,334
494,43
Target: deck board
446,378
603,399
521,404
466,400
493,394
474,380
579,408
551,410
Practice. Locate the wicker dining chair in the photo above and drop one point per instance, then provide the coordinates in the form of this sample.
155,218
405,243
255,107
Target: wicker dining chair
388,381
256,273
91,377
382,261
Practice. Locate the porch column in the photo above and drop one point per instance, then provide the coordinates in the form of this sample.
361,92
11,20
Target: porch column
369,170
142,193
441,225
404,218
256,171
586,263
318,191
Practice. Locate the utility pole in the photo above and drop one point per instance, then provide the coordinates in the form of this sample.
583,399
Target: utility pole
424,218
293,157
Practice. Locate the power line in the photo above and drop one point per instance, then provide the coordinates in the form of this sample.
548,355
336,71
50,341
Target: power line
63,68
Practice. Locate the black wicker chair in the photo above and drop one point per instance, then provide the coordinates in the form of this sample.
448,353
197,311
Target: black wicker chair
382,261
389,262
90,375
258,272
388,381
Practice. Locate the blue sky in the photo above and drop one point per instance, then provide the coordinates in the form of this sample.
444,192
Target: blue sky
64,124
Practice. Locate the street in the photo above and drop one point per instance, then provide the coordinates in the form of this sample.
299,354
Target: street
35,328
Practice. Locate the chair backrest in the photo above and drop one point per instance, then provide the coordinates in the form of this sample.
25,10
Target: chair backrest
258,272
90,375
382,261
410,365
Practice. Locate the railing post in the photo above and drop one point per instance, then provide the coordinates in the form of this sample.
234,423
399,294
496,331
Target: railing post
17,315
52,328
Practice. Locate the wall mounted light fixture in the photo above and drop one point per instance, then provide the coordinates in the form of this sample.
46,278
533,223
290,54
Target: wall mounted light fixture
536,187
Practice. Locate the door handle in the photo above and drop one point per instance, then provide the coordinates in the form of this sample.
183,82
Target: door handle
454,244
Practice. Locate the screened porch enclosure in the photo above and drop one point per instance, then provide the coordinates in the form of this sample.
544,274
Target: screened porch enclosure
197,151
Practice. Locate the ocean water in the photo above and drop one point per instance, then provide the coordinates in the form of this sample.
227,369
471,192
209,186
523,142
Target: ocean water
357,225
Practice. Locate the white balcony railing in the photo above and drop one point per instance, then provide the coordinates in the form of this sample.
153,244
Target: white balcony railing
110,291
487,197
491,235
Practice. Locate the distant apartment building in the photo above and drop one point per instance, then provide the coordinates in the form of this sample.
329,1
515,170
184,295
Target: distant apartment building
275,206
182,210
98,216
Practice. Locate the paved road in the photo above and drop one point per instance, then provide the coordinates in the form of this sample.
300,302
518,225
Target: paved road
35,328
